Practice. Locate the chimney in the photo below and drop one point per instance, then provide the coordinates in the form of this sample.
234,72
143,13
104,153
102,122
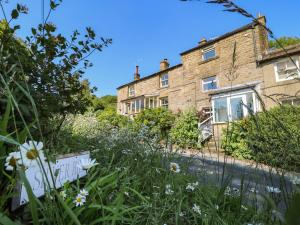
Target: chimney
203,40
262,34
137,75
164,64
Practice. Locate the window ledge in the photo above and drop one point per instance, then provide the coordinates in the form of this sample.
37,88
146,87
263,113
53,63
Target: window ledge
220,123
165,87
210,91
208,60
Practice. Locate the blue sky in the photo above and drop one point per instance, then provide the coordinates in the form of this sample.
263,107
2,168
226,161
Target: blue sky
146,31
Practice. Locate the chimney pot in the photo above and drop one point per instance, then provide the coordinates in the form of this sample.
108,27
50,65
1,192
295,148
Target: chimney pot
203,40
164,64
137,75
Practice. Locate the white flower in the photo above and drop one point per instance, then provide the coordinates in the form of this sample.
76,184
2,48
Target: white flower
253,190
79,200
126,193
12,161
235,190
227,191
30,153
84,192
181,214
244,207
192,186
273,189
217,207
174,167
196,209
87,164
295,180
63,194
168,190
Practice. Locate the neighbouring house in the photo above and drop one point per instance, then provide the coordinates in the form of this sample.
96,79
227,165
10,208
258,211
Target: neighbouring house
225,78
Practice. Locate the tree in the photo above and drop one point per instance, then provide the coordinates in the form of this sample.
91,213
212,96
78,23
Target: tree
50,66
104,102
185,132
284,41
159,120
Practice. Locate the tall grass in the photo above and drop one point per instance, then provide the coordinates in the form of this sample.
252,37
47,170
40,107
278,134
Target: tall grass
133,183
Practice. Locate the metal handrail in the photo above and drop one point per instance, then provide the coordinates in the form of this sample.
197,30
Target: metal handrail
204,121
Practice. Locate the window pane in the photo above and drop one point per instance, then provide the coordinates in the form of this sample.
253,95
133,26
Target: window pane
207,54
209,83
249,99
296,101
164,80
236,105
209,86
220,110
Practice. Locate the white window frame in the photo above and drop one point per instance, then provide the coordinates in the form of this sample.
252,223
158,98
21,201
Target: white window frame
296,60
208,82
131,90
291,101
151,102
163,104
229,96
164,78
208,49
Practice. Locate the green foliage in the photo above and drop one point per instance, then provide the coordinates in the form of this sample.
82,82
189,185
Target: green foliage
234,140
159,120
185,132
284,41
104,102
271,137
110,118
49,66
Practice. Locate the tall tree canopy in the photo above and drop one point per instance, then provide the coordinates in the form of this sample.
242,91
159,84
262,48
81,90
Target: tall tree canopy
47,65
284,41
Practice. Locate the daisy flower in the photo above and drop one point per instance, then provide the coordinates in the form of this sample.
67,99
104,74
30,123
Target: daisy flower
273,189
79,200
192,186
12,161
196,209
87,164
168,190
84,192
30,152
174,167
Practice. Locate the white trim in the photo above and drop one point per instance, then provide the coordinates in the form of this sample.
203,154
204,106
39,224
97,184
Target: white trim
131,90
164,80
232,95
208,49
285,60
164,105
203,82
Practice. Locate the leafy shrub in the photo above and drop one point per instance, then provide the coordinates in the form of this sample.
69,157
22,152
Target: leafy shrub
234,141
159,120
110,117
271,137
185,132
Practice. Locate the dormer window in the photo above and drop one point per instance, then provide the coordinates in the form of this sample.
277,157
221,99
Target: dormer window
286,69
164,80
131,91
208,53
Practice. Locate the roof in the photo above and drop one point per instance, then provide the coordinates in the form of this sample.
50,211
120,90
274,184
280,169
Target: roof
246,27
150,76
280,53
